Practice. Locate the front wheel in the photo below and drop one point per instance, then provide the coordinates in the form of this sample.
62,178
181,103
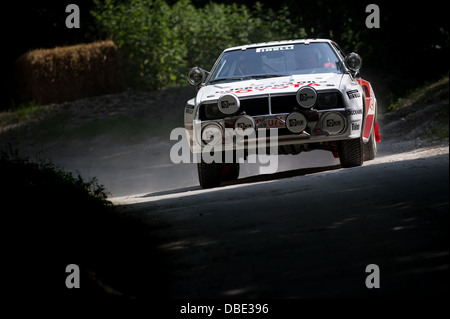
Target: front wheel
209,174
351,152
212,174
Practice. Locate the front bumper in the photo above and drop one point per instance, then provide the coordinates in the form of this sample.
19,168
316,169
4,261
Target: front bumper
238,132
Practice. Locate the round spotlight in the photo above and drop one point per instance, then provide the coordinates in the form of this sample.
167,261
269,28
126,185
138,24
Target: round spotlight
296,122
243,123
333,123
196,76
306,97
353,61
212,134
228,104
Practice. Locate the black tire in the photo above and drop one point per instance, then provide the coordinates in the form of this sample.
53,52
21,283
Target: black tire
209,174
351,153
370,148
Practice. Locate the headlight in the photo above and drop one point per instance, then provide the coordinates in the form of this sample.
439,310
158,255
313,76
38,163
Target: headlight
327,100
212,111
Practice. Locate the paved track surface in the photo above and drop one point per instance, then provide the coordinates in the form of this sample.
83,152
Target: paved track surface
308,232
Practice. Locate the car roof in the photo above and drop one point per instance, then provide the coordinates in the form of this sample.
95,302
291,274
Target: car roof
276,43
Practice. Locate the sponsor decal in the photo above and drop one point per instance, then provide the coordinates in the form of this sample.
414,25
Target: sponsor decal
305,97
276,122
354,112
355,126
295,122
226,104
278,48
353,94
333,122
371,104
262,88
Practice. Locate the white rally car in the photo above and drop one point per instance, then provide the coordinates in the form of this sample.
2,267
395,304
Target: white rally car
306,93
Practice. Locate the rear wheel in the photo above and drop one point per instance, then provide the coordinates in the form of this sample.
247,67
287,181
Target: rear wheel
370,148
351,152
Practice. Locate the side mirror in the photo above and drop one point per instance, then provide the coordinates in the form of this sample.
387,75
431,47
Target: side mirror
353,62
196,76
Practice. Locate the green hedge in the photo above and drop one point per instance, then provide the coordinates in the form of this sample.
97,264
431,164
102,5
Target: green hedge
160,42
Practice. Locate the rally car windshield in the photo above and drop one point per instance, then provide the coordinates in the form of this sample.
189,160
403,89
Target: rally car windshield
275,61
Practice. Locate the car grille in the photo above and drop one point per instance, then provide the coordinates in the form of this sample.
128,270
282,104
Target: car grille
255,106
283,103
261,105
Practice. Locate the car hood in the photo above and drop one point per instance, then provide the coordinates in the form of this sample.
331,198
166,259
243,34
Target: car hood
276,85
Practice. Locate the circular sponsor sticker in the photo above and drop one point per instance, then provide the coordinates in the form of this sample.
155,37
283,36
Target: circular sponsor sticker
228,104
306,97
296,122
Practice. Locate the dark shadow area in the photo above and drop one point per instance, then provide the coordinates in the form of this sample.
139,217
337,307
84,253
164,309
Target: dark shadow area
51,220
171,191
282,175
269,241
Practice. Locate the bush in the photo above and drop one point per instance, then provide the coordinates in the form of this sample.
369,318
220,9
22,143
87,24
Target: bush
161,42
52,219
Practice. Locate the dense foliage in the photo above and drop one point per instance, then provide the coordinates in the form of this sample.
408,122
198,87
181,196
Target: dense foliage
161,41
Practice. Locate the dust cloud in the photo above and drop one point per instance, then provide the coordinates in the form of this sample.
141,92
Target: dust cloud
146,167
